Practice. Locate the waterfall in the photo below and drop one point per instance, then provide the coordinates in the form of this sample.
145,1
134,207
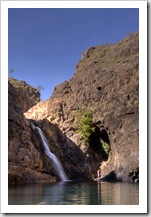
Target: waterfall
55,161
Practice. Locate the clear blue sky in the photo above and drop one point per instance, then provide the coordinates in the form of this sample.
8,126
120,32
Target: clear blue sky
46,44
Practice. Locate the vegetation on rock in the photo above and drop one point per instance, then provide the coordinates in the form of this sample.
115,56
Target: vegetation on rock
105,146
84,123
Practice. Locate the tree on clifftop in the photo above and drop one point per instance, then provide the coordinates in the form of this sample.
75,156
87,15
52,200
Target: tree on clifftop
39,88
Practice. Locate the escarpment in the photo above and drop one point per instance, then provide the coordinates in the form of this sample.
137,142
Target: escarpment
27,162
26,95
105,85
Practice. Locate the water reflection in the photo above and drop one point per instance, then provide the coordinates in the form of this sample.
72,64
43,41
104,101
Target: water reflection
118,193
79,193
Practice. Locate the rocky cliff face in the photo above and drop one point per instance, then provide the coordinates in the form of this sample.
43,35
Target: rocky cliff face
106,82
27,96
27,162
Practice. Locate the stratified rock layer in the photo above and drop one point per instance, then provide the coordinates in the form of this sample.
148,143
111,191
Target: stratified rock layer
106,82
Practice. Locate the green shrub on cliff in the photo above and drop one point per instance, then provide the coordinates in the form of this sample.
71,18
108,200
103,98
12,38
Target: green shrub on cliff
105,146
84,123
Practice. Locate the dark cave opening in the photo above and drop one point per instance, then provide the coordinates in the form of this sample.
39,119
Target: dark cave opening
100,143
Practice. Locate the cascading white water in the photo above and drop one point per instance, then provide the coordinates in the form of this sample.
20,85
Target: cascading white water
56,163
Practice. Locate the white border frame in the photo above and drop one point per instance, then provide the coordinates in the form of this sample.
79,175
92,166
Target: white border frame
142,207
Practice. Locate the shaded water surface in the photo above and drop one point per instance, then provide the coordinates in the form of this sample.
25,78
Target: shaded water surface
78,193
